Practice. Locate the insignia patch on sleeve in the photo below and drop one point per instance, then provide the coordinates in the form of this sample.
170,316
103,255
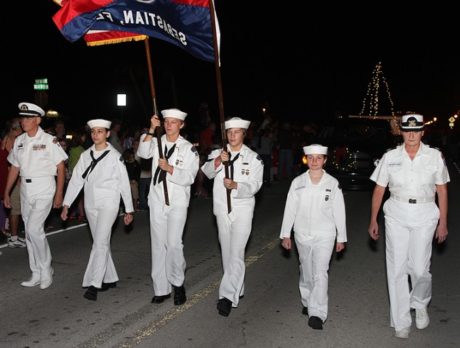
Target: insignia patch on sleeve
121,159
260,158
194,150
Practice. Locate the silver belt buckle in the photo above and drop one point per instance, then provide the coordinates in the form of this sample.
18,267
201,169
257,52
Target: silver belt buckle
412,201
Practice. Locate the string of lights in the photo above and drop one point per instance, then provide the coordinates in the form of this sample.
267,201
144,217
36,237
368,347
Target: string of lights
370,105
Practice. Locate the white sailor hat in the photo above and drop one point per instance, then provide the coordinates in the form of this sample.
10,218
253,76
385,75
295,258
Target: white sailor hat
315,149
174,113
236,122
412,122
30,110
99,123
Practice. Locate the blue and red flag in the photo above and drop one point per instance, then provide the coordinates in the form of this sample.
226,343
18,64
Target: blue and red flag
184,23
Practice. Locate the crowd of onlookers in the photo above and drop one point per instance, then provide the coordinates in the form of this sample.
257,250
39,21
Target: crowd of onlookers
278,142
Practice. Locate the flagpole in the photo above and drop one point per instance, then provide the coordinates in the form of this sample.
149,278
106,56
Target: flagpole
220,95
155,111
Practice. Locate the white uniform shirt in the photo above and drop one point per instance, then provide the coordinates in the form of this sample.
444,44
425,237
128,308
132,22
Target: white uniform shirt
108,179
36,156
247,172
315,209
186,163
411,178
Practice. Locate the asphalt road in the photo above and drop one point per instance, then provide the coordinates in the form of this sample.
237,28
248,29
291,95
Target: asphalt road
268,316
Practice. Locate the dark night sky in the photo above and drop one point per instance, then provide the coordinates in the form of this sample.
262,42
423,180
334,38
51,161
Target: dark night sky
307,64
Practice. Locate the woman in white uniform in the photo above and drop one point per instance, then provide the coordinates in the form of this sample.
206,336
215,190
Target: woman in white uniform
316,208
414,174
177,170
102,172
246,177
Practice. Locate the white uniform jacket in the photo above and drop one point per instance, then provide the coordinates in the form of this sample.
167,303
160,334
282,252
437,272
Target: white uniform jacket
186,163
315,209
107,181
247,172
36,156
415,178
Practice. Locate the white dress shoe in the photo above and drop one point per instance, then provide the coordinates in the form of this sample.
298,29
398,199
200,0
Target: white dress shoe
34,281
422,320
46,283
403,333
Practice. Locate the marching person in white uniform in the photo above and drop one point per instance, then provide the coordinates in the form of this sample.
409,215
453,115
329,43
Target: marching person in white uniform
178,169
102,172
38,158
316,209
414,173
246,177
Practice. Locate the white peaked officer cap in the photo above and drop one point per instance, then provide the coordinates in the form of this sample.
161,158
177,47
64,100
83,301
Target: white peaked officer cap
315,149
412,122
30,110
174,113
236,122
99,123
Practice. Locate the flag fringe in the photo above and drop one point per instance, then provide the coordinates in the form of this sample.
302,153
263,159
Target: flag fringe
115,41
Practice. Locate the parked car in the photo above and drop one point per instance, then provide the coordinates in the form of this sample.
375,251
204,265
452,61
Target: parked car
351,167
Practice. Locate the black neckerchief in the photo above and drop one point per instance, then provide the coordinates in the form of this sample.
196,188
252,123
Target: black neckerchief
160,174
94,162
230,163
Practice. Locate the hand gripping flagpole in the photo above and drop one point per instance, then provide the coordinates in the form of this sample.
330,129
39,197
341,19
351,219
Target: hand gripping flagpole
155,111
220,95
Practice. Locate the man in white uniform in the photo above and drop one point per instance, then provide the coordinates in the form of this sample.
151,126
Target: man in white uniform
316,208
246,176
102,171
178,169
414,173
38,158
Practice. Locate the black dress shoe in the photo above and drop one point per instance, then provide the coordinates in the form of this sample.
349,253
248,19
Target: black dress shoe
315,323
91,293
160,299
179,295
305,310
107,286
224,306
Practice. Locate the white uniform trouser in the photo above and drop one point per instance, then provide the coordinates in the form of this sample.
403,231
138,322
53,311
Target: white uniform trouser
168,262
314,256
234,231
409,230
100,266
36,202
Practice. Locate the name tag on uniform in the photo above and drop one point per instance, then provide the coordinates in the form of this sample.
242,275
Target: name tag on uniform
38,147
